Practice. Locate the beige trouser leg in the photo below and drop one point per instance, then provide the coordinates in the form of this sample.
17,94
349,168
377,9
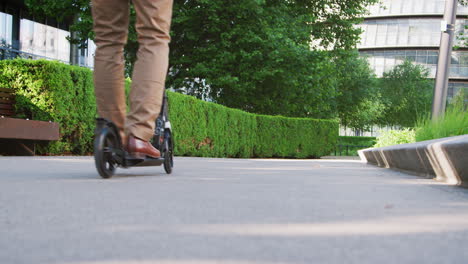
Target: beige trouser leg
149,74
110,25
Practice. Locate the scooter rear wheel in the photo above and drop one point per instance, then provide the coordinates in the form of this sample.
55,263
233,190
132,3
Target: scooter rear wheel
168,153
104,144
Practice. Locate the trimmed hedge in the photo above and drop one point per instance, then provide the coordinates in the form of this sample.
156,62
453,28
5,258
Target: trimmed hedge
211,130
356,141
65,94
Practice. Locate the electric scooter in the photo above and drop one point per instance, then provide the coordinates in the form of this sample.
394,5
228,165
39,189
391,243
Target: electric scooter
109,153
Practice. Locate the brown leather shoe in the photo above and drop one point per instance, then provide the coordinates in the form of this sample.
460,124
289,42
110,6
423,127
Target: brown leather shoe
139,148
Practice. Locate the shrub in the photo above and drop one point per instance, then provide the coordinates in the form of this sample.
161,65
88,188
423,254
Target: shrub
395,137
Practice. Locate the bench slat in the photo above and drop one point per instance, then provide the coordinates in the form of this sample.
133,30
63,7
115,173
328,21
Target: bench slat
28,129
6,106
7,101
7,95
6,90
6,112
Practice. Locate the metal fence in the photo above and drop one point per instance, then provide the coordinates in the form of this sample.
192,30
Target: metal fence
348,150
7,53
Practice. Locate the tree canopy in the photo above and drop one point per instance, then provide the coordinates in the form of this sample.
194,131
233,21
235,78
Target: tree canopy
358,101
406,93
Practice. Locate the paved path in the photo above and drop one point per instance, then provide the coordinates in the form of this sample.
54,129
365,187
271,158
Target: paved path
56,210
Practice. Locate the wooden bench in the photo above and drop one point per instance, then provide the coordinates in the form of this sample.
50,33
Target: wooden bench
20,136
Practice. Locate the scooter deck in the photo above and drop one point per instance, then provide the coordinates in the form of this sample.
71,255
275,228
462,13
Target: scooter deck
137,162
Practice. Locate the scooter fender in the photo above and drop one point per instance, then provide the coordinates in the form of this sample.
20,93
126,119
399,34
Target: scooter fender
167,125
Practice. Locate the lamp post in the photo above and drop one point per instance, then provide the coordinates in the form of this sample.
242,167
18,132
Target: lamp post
445,54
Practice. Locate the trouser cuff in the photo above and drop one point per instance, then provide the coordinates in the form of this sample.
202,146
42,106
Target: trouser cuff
141,133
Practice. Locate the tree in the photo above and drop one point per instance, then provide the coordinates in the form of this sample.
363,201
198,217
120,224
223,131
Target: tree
263,56
256,55
251,56
406,93
359,104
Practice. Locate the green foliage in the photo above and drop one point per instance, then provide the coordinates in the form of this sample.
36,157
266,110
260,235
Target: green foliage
406,94
211,130
395,137
359,104
366,113
453,123
51,91
253,55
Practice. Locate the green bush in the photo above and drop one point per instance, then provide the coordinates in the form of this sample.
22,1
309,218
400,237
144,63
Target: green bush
211,130
65,94
395,137
47,90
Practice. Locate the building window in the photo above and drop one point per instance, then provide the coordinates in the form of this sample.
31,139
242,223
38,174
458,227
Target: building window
412,7
456,88
6,27
382,61
417,32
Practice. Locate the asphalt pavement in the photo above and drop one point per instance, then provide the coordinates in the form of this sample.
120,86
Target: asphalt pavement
58,210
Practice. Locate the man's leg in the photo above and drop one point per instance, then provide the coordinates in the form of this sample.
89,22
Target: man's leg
149,74
111,27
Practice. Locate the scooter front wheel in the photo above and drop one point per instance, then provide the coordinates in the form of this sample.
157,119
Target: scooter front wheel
104,145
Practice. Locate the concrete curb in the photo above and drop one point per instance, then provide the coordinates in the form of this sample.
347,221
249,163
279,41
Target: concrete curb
446,159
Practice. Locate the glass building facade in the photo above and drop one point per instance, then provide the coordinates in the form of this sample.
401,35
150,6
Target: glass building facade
44,41
399,30
384,60
22,36
405,32
411,8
